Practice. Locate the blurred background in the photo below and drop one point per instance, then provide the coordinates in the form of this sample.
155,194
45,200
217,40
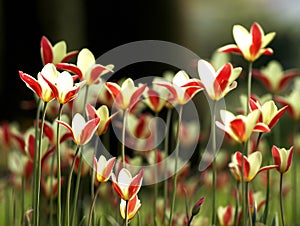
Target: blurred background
199,25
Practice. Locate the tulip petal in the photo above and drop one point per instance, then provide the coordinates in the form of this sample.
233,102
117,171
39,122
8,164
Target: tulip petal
46,51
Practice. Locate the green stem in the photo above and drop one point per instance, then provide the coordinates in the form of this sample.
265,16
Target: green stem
213,131
123,137
166,152
39,167
34,184
236,213
175,168
77,188
266,211
258,141
249,85
126,213
92,207
58,168
281,200
248,206
8,199
85,100
294,178
244,195
23,199
93,180
69,187
155,176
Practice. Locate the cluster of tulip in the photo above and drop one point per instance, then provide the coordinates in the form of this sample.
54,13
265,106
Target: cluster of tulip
43,159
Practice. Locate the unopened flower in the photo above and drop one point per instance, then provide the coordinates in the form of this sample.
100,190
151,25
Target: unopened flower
218,83
283,158
250,45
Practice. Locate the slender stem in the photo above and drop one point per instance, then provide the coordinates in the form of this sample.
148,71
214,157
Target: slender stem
190,220
8,199
249,85
92,206
23,199
34,184
126,213
58,168
248,206
77,188
155,176
166,149
294,179
123,137
175,168
213,131
236,213
69,187
39,167
281,200
244,198
93,180
266,211
258,140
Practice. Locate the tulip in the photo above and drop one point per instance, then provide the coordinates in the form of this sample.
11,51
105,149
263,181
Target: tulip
291,100
156,98
126,95
134,206
251,168
182,87
81,130
240,127
226,215
274,78
86,67
63,86
55,54
50,184
103,114
250,45
269,112
218,83
282,158
40,86
127,186
103,168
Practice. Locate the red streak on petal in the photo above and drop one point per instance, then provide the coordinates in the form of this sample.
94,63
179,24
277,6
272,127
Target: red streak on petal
46,51
227,215
256,39
238,127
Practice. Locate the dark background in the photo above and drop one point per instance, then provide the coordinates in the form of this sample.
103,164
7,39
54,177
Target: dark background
201,26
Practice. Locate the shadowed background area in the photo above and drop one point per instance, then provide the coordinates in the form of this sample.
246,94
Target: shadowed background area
201,26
